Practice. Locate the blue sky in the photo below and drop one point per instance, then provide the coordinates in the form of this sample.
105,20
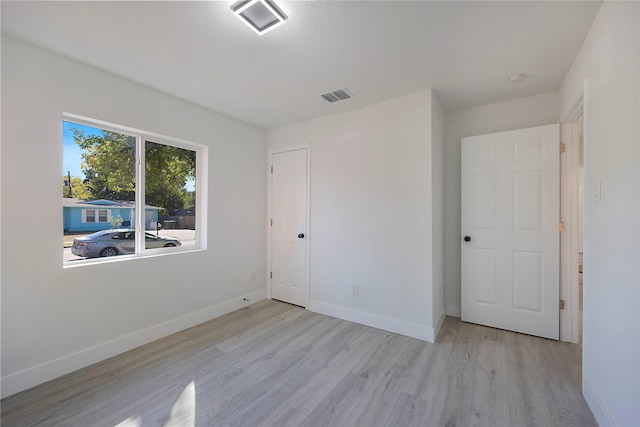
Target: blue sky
71,156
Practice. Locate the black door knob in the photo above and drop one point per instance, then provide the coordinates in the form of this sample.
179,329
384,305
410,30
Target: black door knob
467,238
301,236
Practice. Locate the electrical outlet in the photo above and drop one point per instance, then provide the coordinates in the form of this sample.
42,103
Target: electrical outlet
253,276
355,290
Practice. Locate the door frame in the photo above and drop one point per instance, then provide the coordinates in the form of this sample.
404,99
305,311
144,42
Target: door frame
569,259
270,155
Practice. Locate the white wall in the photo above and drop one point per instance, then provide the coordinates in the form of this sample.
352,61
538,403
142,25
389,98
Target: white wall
437,174
56,320
610,62
502,116
371,213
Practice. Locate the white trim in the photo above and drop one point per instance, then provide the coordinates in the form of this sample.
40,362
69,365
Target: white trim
269,216
569,326
267,273
389,324
569,211
454,310
202,196
438,325
140,202
19,381
596,405
573,112
151,253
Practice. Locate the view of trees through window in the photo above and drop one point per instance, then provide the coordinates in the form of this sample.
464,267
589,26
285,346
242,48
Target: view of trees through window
170,178
99,193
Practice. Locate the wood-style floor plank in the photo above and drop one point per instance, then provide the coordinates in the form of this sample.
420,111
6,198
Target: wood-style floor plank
273,364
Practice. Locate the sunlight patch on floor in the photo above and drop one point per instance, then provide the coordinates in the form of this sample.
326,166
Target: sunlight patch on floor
131,422
183,412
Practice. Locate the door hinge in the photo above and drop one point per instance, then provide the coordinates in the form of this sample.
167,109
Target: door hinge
561,304
563,147
271,275
272,222
562,226
271,169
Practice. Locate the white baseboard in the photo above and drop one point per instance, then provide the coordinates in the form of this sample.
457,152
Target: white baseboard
453,310
22,380
439,323
397,326
596,405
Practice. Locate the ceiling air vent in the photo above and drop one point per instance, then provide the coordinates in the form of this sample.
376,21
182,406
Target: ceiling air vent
337,95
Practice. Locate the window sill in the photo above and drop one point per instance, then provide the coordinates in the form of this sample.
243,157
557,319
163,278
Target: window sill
120,258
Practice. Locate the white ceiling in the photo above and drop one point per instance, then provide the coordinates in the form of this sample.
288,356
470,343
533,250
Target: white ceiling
200,52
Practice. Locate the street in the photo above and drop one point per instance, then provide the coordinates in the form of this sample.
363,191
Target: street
186,237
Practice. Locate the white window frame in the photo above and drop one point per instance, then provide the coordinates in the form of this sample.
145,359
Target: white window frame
142,136
96,215
86,216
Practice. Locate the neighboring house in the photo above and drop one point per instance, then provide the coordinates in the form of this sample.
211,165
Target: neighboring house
93,215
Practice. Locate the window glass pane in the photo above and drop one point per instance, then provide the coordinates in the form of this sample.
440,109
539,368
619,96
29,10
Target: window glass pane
170,196
98,178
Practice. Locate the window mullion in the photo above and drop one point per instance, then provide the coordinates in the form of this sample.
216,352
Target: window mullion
140,202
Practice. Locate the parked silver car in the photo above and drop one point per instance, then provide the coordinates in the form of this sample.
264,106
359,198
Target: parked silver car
120,241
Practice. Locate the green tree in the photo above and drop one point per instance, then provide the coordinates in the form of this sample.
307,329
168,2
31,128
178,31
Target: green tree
116,222
78,188
189,198
108,164
109,169
167,171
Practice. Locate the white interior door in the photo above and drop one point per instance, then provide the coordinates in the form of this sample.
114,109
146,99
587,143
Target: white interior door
510,228
289,226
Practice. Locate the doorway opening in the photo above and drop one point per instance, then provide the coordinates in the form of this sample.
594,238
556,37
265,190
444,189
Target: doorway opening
580,208
571,191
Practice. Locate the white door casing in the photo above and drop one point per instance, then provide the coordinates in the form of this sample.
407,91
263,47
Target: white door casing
288,226
510,211
569,239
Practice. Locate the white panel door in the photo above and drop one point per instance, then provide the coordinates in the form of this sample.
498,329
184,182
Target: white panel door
289,227
510,235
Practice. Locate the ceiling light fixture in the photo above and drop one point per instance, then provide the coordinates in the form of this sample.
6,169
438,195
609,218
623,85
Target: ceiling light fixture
261,15
516,78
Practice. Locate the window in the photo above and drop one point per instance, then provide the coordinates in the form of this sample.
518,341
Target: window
170,184
96,215
129,192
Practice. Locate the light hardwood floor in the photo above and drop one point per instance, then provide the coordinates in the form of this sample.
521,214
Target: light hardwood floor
273,364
